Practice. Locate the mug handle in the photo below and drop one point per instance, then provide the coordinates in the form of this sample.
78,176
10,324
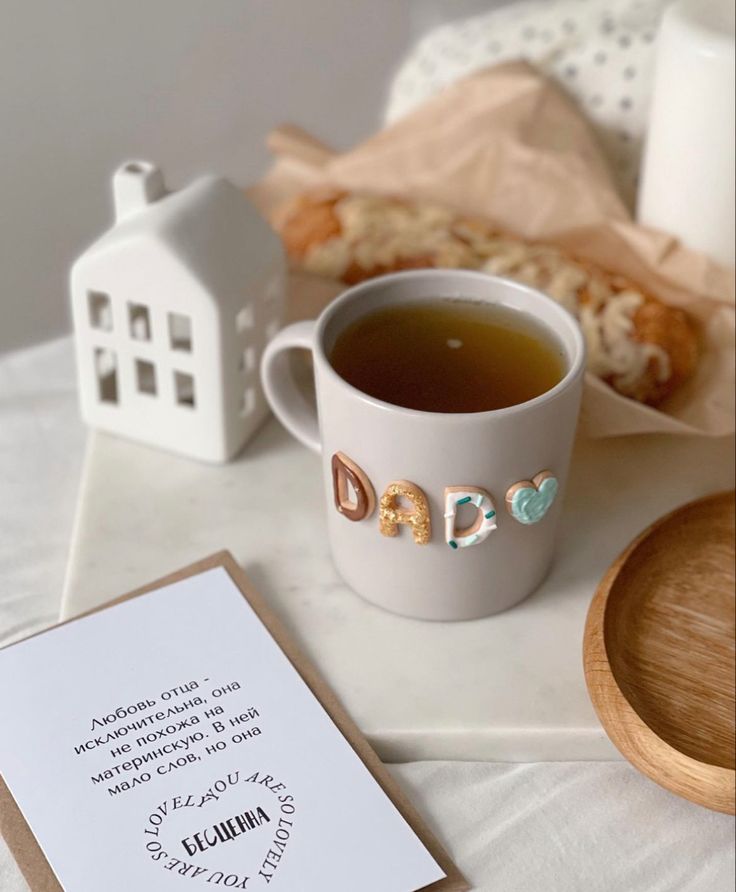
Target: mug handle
288,404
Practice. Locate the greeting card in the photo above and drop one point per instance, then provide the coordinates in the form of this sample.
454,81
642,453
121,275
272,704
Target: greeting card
178,741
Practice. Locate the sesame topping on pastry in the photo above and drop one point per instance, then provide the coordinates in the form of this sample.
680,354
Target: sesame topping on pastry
640,346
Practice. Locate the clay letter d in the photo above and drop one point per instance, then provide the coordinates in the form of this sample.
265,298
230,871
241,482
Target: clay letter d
344,472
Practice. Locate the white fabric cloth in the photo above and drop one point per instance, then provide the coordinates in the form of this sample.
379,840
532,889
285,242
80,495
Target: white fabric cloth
600,51
553,827
570,827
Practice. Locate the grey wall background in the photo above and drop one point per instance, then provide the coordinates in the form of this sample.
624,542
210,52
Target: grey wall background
191,84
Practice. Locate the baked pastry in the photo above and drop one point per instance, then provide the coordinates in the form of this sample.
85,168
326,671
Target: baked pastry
640,346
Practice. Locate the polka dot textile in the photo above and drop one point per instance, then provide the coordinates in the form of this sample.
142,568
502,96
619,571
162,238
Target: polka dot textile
600,51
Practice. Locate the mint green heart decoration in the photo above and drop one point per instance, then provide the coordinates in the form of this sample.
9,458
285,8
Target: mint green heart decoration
529,500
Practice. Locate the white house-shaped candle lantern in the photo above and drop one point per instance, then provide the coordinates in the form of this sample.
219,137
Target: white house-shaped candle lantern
172,309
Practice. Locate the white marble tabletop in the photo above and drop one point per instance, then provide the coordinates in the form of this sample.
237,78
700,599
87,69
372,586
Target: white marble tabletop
509,687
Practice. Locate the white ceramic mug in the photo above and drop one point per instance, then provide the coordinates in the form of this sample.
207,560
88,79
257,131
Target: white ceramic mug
489,559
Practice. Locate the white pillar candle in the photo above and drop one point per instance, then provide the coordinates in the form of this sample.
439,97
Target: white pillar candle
688,172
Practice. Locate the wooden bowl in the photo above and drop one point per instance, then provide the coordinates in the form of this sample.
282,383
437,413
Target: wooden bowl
658,652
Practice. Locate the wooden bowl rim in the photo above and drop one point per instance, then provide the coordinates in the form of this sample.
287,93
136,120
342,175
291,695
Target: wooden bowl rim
657,759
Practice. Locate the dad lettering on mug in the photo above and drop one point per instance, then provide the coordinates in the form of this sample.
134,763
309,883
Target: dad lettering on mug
527,502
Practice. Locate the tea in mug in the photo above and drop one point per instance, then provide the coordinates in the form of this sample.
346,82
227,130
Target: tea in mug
448,355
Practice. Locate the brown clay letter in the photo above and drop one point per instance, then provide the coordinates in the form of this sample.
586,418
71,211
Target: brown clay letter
345,471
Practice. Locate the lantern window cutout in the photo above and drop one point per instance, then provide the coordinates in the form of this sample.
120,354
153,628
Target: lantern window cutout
245,320
145,376
106,369
248,360
184,389
100,310
139,320
248,401
180,332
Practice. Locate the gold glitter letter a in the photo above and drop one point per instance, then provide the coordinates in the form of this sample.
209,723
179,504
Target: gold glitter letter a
391,515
